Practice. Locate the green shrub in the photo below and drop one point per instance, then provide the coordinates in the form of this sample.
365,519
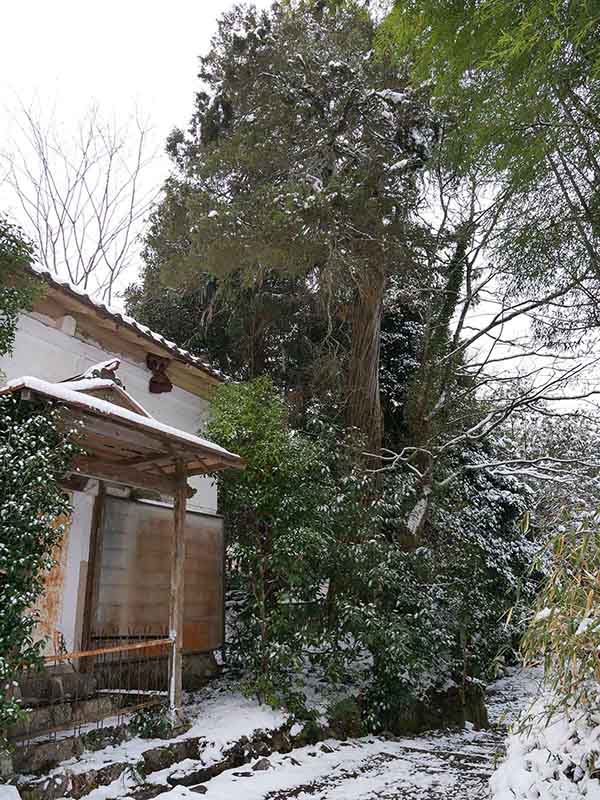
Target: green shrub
311,733
345,719
288,516
152,723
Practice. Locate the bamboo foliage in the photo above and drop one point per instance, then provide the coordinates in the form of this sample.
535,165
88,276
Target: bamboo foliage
565,626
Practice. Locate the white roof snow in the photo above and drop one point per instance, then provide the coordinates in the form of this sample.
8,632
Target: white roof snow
77,398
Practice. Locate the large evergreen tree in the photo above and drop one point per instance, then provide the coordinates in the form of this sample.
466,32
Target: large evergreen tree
298,237
302,158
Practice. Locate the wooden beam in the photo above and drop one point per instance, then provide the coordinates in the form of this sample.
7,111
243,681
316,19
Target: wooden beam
121,428
211,463
177,589
116,430
204,469
152,459
192,461
115,472
102,651
74,483
105,432
92,586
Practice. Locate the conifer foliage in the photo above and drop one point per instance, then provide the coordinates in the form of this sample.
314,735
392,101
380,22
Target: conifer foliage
298,239
302,157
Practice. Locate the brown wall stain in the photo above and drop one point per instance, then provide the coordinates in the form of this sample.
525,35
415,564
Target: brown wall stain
50,604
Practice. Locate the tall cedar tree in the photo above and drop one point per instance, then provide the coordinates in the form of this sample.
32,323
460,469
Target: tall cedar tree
302,157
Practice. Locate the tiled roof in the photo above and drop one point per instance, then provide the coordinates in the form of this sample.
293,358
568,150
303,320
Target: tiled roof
104,310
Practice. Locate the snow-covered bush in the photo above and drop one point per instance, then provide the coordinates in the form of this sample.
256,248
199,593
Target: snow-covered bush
439,617
35,450
556,759
565,492
328,574
34,454
291,516
152,722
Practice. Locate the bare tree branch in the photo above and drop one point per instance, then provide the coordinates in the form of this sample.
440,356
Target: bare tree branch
83,198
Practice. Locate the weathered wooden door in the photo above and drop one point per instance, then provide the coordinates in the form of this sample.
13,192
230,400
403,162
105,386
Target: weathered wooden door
132,568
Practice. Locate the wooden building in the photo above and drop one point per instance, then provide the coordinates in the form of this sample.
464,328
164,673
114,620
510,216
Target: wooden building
143,553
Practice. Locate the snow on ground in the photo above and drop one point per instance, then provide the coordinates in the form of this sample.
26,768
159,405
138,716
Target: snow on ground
559,761
440,765
361,769
357,770
509,697
445,765
222,717
9,793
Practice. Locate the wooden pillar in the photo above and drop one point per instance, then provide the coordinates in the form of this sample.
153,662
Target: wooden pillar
177,589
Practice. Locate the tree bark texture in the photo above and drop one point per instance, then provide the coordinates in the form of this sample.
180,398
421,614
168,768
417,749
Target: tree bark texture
364,405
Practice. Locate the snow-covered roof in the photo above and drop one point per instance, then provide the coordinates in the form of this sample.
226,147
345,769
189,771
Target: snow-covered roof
91,385
76,398
129,322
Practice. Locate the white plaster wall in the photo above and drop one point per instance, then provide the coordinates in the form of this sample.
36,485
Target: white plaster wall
46,352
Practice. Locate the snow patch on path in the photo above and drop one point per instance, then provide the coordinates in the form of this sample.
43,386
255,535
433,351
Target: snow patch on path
365,768
220,718
441,765
444,765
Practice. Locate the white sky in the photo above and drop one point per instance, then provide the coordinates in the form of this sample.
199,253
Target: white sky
117,53
120,54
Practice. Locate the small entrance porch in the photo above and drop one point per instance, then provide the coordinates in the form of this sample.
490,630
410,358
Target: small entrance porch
127,625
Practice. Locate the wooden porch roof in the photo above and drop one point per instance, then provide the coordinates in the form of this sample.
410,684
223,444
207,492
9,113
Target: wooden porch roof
123,445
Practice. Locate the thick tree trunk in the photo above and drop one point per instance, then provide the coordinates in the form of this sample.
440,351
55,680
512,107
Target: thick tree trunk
363,410
364,405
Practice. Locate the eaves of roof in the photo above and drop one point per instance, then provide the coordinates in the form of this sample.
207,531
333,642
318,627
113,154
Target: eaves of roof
126,321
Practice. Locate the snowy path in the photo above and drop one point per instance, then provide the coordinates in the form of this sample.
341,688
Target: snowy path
446,765
440,766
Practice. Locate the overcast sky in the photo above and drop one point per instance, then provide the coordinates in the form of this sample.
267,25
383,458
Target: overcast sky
118,53
121,54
